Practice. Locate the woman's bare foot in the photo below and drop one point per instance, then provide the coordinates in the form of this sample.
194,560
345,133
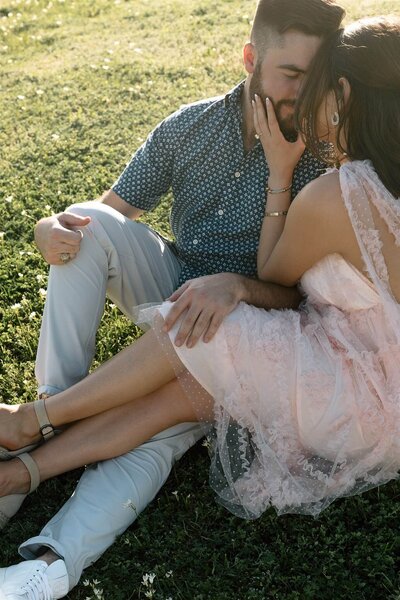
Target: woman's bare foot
18,426
14,478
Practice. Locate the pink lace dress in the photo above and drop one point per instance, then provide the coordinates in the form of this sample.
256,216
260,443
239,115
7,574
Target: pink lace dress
307,403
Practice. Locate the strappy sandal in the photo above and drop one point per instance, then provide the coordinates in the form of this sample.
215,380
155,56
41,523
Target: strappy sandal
45,427
9,505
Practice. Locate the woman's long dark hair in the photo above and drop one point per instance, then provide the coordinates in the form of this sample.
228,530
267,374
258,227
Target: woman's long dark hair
367,54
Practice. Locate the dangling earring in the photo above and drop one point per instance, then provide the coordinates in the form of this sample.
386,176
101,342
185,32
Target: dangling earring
335,119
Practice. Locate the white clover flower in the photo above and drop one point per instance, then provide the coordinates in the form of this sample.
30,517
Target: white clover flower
176,494
21,97
9,199
40,92
16,306
2,234
32,315
43,292
129,504
168,574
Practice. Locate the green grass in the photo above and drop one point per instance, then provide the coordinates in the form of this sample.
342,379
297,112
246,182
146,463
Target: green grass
82,84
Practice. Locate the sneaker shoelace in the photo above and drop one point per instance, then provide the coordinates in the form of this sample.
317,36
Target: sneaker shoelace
37,587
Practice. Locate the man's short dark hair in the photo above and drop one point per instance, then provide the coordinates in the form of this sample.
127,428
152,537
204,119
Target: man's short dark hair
275,17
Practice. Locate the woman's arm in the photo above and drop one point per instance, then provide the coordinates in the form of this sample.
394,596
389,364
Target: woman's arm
316,225
282,157
295,237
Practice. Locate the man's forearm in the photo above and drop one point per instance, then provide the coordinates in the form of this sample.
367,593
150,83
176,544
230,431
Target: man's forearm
269,295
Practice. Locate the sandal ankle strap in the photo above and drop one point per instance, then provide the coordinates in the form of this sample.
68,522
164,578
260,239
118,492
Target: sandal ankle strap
32,470
46,428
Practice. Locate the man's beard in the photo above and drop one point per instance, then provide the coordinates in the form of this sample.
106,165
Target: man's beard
286,124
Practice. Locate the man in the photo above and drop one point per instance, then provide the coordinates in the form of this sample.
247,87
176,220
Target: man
209,154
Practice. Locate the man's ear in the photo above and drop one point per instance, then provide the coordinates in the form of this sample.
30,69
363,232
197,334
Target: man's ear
249,57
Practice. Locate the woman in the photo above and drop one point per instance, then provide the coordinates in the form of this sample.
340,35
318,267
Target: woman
305,403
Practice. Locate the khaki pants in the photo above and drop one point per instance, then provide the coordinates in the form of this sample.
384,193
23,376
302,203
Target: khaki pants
132,265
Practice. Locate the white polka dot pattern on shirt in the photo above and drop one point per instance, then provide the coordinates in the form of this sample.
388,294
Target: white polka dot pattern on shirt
218,190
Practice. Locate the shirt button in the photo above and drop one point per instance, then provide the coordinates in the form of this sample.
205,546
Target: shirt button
237,174
195,242
220,212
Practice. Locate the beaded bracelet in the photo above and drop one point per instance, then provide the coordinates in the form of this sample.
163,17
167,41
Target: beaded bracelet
279,191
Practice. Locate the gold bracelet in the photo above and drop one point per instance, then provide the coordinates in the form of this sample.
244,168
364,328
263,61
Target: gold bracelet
281,213
279,191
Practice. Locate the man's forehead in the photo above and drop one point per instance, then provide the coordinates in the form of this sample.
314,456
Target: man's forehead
295,49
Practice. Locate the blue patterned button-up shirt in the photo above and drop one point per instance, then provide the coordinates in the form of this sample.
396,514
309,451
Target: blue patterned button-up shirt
218,189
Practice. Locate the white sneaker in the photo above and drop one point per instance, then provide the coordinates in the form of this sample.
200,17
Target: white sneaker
34,580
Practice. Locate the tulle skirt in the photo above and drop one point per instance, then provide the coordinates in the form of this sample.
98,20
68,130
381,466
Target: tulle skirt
297,423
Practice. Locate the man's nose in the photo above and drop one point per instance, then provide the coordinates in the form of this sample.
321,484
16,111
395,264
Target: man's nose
297,85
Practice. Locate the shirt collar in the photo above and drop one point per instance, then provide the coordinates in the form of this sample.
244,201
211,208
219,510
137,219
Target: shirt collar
233,100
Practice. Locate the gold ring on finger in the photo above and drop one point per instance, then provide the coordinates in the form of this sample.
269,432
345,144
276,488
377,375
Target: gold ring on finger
65,257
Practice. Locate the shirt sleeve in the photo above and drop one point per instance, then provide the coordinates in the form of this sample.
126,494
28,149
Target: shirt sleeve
148,175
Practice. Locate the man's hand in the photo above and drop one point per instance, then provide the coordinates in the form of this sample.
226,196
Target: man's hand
207,301
59,235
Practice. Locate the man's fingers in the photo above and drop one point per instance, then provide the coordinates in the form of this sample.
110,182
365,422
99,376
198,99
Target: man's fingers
72,220
174,313
54,258
199,329
61,247
178,293
66,236
213,327
187,326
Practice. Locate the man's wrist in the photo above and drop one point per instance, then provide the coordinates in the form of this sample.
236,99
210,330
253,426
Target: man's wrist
241,287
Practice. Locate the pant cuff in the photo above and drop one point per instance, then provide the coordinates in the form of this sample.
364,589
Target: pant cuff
32,548
49,390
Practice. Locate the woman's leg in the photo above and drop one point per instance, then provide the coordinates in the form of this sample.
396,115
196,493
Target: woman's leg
133,373
106,435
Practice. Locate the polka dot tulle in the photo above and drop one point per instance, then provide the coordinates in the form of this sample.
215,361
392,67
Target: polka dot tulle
306,403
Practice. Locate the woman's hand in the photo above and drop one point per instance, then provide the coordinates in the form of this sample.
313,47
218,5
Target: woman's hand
282,156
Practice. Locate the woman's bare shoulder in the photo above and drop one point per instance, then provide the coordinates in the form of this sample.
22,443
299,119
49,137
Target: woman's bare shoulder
323,190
